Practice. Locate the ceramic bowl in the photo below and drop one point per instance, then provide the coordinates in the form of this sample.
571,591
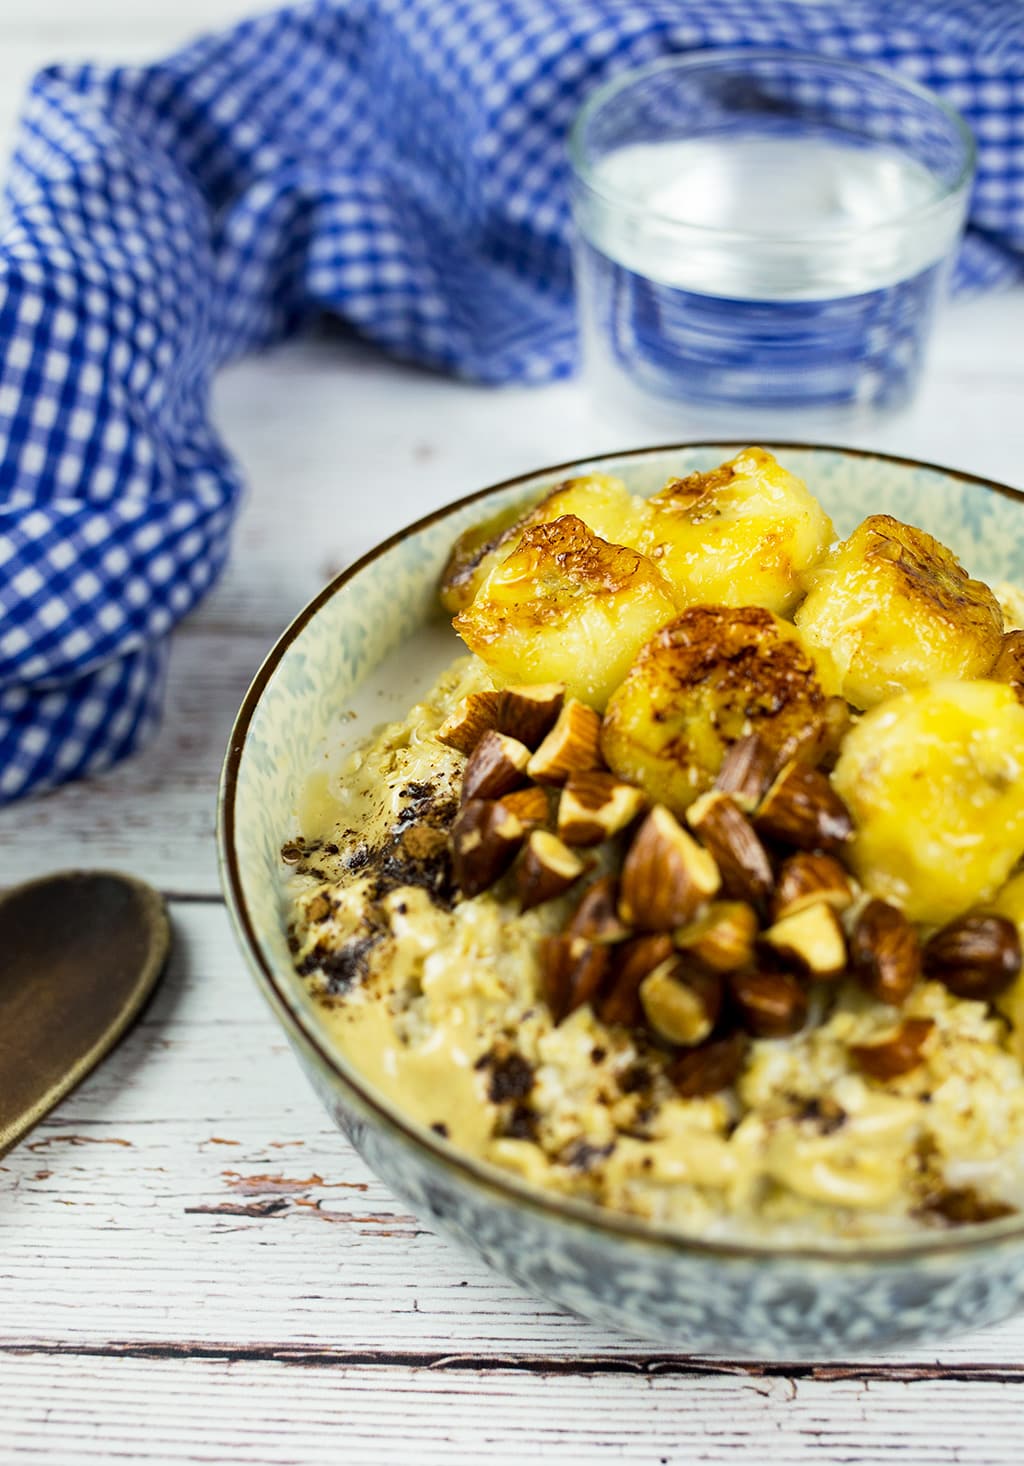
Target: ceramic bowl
363,650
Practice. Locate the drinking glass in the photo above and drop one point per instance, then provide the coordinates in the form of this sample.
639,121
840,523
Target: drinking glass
763,236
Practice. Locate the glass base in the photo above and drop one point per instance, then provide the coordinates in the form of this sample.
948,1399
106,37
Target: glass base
685,361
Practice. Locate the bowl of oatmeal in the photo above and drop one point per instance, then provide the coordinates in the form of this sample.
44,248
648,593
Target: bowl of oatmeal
655,927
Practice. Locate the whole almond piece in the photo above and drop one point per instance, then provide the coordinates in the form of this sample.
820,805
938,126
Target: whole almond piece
474,716
572,746
809,877
898,1054
596,918
746,772
631,962
742,860
681,1003
571,972
722,938
596,805
712,1067
820,743
546,869
885,953
812,937
769,1004
666,876
976,956
801,808
529,713
530,805
484,838
496,765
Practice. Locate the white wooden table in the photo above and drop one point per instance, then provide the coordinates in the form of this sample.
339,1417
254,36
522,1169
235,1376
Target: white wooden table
194,1265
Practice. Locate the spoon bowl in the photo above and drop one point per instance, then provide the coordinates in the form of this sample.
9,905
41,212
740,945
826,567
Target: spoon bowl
80,952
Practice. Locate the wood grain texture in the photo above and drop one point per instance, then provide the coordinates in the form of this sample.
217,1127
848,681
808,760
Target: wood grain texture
194,1264
272,1414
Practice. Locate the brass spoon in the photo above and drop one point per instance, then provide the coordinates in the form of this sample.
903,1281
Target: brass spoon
80,952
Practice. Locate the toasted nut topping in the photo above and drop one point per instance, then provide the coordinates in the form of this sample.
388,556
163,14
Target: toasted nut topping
495,766
573,745
802,809
596,917
528,713
484,838
747,770
898,1054
807,878
681,1003
812,937
820,742
722,938
475,715
712,1067
546,869
631,962
596,805
742,860
885,953
666,876
529,805
769,1004
976,956
571,971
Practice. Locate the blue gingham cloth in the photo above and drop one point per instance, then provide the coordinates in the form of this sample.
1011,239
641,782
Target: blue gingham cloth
397,163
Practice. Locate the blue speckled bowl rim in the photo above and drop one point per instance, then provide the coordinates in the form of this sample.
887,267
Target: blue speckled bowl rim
464,1168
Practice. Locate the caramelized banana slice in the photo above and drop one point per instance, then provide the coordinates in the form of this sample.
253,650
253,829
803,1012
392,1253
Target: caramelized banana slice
601,501
712,676
475,549
566,606
934,780
897,610
741,535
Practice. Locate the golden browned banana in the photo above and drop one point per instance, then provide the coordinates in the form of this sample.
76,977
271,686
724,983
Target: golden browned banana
709,678
896,609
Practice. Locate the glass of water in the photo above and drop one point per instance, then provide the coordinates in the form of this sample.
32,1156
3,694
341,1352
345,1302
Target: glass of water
763,236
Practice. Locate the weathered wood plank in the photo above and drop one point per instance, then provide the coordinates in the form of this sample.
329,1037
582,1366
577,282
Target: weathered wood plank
269,1414
62,23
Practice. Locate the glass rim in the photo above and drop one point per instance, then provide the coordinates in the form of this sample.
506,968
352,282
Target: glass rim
729,57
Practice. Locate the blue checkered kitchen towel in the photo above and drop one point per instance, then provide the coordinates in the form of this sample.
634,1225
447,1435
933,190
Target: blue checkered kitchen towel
398,163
